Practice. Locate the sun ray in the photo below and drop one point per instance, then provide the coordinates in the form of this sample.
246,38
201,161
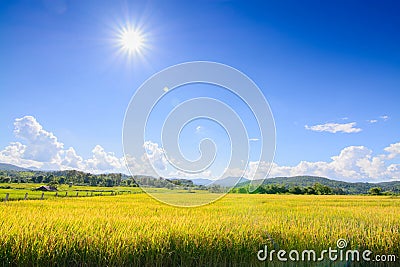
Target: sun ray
131,40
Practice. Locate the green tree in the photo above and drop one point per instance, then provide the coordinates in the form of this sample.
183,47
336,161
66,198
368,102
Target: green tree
48,178
375,191
297,190
39,179
61,180
309,190
53,184
242,190
321,189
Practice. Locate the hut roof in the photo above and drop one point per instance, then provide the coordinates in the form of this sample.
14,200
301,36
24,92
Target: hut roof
46,188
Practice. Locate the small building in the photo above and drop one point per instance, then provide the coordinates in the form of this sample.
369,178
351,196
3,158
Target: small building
46,188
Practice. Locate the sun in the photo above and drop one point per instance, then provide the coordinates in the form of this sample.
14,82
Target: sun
131,40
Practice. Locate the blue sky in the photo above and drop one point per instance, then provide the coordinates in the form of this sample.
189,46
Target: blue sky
316,62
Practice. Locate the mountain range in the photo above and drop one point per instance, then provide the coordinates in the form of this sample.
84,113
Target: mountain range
10,167
225,182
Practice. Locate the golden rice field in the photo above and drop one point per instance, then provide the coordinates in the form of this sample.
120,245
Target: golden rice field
135,230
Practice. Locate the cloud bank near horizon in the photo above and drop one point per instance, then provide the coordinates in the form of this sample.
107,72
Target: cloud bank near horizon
41,149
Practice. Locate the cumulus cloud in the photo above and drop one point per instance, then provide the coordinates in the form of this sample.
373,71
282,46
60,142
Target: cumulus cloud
335,127
14,150
41,149
70,159
41,145
354,163
13,154
156,155
103,161
393,150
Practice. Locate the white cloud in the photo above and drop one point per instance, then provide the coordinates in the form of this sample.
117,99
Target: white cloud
354,163
373,168
345,164
140,166
199,129
13,154
335,127
394,169
155,154
71,159
14,150
40,144
235,172
254,139
393,150
42,149
103,161
384,117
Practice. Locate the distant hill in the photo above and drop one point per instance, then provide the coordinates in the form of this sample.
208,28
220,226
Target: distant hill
201,181
229,181
225,182
10,167
350,188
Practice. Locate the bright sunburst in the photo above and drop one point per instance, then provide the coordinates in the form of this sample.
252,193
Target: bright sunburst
131,40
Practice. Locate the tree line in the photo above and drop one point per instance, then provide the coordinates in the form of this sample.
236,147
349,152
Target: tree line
74,177
71,177
316,189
